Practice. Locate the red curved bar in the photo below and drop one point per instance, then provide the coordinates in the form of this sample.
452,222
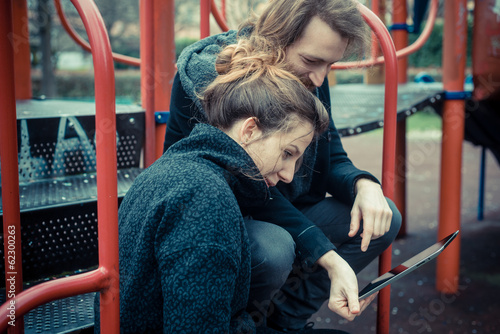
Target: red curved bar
424,36
52,290
389,146
84,44
106,161
106,278
219,18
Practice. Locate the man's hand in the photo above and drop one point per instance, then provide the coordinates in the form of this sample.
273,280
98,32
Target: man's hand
344,287
370,206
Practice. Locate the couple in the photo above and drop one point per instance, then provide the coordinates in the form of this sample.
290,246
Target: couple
230,230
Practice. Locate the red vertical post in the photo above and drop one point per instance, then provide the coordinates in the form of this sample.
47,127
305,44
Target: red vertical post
148,80
20,39
107,184
10,174
400,37
454,57
205,18
389,148
164,66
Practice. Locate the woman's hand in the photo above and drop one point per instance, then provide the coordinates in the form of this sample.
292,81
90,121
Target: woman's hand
343,298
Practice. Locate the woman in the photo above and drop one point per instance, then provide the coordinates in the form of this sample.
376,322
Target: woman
184,249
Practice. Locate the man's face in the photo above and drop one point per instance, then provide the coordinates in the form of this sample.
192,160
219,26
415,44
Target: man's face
312,54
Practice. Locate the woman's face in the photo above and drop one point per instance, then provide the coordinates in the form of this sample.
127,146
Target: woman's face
276,155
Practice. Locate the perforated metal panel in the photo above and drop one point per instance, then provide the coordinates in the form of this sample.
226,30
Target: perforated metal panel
58,199
62,316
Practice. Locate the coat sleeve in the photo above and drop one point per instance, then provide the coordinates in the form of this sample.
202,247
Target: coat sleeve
342,175
198,250
311,242
183,115
197,294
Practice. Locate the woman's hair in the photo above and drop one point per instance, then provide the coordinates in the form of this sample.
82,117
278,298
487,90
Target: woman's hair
283,22
252,82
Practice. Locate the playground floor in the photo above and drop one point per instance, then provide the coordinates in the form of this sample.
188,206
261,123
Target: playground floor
416,306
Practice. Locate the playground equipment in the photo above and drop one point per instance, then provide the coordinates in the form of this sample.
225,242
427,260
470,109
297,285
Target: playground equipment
157,68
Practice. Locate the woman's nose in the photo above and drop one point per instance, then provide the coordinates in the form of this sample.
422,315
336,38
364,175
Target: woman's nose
286,174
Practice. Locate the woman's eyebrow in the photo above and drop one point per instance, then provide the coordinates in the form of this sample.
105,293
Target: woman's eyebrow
296,148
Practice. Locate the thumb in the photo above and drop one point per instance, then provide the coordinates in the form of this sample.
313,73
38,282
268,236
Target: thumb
353,303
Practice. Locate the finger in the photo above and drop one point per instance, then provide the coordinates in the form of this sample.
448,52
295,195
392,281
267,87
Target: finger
365,242
388,221
355,222
365,302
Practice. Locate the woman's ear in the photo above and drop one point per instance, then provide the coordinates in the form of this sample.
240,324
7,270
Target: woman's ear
249,131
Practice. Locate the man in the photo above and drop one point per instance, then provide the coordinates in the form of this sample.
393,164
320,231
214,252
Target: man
306,247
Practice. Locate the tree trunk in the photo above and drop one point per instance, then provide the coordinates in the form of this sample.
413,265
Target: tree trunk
48,87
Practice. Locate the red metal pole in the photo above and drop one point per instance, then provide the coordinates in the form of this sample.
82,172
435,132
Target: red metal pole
454,57
20,39
400,37
10,174
107,197
389,147
164,67
84,44
434,6
205,18
148,79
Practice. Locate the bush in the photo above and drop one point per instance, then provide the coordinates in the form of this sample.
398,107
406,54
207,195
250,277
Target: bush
431,53
81,85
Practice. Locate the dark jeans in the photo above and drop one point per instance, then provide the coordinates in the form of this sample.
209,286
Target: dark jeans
289,292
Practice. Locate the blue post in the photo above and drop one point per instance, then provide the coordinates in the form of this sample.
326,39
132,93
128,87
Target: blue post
482,175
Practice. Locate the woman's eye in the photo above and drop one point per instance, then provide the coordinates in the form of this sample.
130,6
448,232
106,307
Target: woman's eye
308,61
288,154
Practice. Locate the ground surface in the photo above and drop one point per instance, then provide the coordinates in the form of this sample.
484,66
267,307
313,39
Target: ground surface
416,305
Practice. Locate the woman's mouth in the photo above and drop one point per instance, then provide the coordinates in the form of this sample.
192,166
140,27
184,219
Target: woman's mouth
269,182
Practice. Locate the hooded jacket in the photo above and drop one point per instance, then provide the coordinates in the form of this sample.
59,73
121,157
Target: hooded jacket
325,169
184,250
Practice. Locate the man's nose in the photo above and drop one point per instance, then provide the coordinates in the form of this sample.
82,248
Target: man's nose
318,76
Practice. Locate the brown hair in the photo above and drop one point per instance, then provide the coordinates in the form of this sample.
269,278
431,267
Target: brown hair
283,22
254,83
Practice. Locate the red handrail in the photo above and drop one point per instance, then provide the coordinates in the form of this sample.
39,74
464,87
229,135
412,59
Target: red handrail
419,42
84,44
389,146
106,278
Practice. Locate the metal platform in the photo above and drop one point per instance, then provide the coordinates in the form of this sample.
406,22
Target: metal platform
58,199
358,108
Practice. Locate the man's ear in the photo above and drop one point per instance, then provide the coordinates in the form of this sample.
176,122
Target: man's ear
249,130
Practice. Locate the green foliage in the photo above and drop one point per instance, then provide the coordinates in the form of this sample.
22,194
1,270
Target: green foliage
81,85
431,53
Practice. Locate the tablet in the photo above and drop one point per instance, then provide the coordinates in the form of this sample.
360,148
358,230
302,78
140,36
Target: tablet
407,267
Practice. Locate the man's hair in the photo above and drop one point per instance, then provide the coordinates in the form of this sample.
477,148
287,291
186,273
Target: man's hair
282,22
255,83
